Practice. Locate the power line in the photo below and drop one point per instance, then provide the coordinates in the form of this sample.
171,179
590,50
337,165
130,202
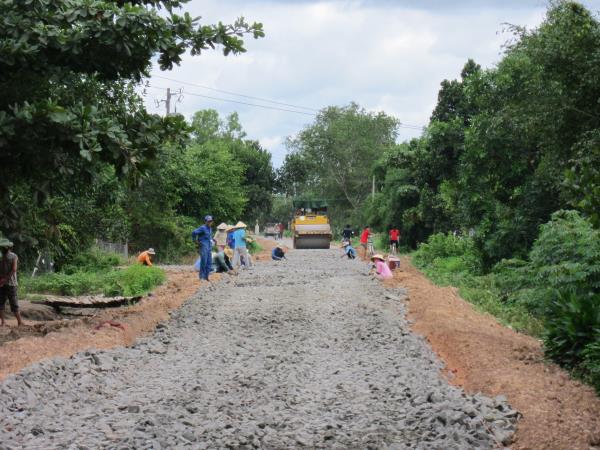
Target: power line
237,94
402,125
241,103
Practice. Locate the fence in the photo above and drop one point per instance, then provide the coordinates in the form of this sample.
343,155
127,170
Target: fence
114,247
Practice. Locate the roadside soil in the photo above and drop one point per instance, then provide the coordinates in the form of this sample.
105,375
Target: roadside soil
484,356
108,328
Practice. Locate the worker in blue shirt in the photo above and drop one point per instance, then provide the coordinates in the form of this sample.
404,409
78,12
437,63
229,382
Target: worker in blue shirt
203,236
278,254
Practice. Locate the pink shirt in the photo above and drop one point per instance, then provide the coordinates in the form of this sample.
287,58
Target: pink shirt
383,270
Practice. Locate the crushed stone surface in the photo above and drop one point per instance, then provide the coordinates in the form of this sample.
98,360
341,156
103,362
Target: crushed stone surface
309,352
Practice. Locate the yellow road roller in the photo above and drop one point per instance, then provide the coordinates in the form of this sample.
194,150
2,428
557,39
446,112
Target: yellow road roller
310,225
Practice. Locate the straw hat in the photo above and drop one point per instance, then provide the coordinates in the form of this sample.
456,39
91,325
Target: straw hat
223,226
5,243
378,256
151,251
240,224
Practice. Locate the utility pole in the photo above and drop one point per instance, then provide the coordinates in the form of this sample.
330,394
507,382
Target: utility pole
373,189
167,101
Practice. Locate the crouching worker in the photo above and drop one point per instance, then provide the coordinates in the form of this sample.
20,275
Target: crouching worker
382,271
8,281
348,250
146,257
278,254
222,262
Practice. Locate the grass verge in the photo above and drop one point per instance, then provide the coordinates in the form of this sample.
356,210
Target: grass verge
133,281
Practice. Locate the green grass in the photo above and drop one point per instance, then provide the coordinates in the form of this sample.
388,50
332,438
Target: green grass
130,282
481,291
254,247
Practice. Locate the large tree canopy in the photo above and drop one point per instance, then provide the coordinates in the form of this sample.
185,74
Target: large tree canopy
332,158
68,74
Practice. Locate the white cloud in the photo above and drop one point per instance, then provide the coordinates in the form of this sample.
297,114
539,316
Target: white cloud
385,55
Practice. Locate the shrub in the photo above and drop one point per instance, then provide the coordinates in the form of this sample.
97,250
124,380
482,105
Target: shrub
93,260
133,281
589,369
572,323
447,245
253,247
566,254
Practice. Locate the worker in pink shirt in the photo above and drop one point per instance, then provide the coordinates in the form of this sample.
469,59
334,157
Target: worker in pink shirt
382,271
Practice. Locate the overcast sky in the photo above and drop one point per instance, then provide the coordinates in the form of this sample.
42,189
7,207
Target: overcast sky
388,55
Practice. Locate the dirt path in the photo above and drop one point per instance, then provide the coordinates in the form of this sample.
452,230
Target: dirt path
308,352
484,356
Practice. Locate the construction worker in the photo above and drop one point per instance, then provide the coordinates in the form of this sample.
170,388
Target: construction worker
203,237
364,240
347,233
394,240
277,254
240,252
348,250
382,270
146,257
221,236
8,281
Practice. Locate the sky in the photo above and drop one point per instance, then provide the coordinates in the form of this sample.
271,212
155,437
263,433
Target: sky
385,55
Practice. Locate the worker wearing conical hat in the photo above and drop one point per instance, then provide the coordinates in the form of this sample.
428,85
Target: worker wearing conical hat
382,270
240,251
221,236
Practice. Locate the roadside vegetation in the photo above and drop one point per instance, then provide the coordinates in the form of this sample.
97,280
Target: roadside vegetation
95,272
552,294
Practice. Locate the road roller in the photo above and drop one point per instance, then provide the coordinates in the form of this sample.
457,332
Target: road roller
310,225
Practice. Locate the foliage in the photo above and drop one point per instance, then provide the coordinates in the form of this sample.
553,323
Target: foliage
258,176
93,260
70,114
332,157
133,281
573,322
443,262
566,255
448,246
254,247
589,369
555,294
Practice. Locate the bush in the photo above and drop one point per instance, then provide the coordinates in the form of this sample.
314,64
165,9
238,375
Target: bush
441,246
253,247
572,323
93,260
589,369
133,281
566,254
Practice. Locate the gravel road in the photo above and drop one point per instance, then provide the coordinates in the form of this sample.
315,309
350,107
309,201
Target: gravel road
308,352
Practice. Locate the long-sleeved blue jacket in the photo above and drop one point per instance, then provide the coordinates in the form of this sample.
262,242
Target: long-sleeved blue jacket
203,235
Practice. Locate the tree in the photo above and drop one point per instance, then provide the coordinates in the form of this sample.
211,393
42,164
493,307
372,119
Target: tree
68,74
338,152
257,169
